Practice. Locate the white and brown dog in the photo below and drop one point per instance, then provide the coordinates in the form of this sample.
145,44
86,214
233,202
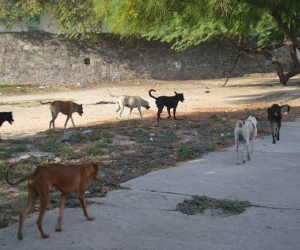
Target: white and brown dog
248,131
130,102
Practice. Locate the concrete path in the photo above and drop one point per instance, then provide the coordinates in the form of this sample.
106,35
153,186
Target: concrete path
143,217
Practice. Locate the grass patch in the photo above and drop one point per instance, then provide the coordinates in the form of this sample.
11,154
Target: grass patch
198,204
7,151
186,151
11,205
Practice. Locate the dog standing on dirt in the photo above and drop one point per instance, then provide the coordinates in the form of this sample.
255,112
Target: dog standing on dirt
131,102
171,102
6,117
65,107
248,131
65,178
275,117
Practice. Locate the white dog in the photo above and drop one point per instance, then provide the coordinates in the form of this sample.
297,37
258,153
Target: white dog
130,102
248,131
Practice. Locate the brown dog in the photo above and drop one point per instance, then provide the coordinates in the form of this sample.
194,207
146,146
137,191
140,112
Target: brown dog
65,107
65,178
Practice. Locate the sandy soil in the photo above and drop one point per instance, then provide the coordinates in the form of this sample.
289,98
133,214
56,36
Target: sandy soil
31,117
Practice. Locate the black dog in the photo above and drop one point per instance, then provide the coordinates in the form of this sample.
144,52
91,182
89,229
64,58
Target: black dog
171,102
275,117
6,117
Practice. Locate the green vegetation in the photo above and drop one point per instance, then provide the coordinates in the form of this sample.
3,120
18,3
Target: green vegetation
200,203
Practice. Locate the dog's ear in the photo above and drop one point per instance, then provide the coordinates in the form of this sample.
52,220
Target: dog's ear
268,110
175,92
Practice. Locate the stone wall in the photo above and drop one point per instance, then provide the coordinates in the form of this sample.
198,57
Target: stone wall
43,58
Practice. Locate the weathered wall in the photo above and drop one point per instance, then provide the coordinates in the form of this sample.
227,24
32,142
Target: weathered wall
42,58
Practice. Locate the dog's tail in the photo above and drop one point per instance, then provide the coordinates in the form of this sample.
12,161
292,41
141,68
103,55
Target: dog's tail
45,102
111,94
151,94
286,106
27,177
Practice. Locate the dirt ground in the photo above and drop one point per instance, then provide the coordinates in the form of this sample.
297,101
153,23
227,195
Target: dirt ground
207,95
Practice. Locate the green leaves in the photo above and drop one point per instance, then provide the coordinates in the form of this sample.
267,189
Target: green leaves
181,22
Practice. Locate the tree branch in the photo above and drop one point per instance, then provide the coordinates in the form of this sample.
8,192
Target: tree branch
276,16
229,74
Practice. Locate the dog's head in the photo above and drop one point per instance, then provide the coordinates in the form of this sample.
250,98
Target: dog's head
145,104
8,116
80,110
252,119
273,112
179,96
94,174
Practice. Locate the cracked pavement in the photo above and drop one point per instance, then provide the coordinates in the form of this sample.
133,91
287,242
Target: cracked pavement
143,215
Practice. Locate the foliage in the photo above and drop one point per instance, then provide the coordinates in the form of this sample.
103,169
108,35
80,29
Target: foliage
184,23
188,23
74,17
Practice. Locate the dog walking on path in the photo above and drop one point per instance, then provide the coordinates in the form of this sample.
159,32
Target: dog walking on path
171,102
65,107
248,131
65,178
275,117
131,102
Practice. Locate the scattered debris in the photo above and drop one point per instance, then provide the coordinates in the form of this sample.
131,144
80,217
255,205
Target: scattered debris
87,131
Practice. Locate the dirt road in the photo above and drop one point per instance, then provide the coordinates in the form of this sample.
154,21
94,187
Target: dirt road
31,117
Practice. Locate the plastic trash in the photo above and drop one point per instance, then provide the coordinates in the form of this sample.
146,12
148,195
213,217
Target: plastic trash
87,131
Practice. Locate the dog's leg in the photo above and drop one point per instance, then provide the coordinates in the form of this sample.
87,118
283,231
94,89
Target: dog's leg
272,125
237,149
54,116
169,112
82,203
248,148
160,110
32,197
174,113
251,147
117,110
121,111
44,199
68,117
61,211
130,110
73,122
139,108
278,129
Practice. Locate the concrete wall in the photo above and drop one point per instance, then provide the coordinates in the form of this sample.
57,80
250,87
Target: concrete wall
43,58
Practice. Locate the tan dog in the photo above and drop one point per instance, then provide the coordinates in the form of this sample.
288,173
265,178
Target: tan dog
248,131
65,107
130,102
65,178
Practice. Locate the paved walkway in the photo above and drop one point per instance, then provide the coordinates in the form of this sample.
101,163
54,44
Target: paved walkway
143,217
